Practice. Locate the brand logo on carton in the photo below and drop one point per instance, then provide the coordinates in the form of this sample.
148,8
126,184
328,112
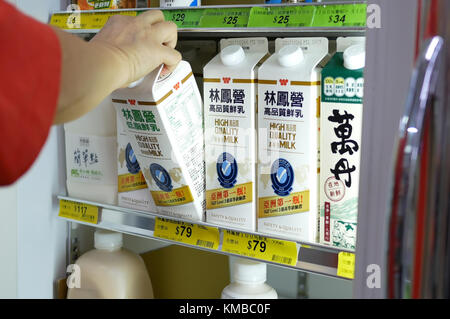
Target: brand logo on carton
226,80
227,170
132,163
161,177
176,86
132,102
284,81
282,177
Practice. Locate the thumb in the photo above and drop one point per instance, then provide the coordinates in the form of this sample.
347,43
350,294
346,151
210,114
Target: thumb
171,57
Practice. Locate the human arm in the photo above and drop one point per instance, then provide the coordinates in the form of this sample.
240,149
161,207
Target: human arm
126,49
50,76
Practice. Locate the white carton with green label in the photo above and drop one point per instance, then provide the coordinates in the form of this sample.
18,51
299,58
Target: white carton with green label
340,139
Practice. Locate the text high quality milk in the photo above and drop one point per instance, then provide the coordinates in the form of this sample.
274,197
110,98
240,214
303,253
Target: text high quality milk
288,111
132,187
230,132
341,120
162,116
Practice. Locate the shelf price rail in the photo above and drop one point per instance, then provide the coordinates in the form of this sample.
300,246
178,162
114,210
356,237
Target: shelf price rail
284,252
336,19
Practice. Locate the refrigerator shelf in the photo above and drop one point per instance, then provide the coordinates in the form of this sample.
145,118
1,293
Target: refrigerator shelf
311,257
213,33
330,19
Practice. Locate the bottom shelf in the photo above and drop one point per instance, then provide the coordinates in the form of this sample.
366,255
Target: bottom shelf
284,252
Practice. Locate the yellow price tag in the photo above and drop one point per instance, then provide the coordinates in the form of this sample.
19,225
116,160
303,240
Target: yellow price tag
59,20
346,265
192,234
260,247
78,20
78,211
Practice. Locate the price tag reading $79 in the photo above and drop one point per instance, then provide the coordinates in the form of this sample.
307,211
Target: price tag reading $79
255,246
192,234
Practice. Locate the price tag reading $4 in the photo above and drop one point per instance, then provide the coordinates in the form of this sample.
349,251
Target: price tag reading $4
192,234
260,247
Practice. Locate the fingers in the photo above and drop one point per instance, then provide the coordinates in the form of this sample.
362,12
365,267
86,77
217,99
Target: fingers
150,17
166,33
170,57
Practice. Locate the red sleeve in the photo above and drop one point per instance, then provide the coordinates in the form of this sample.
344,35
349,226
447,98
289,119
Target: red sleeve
30,71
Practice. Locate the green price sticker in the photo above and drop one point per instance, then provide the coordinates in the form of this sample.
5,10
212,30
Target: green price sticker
184,18
350,15
225,18
271,17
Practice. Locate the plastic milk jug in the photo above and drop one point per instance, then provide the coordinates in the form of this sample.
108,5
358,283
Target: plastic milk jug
109,272
248,281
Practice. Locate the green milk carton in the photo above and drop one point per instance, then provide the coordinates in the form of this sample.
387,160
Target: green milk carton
340,144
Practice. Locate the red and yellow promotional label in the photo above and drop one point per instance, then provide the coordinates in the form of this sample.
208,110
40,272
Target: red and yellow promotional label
286,205
178,196
223,197
131,182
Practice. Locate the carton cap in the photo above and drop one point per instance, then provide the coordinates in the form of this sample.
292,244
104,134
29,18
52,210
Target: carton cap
232,55
247,271
355,57
290,55
107,240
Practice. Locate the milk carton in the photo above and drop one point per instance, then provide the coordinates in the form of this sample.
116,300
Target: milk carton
90,155
288,111
341,119
162,116
230,132
132,188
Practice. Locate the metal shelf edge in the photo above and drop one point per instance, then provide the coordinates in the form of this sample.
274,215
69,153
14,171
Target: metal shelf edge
338,31
312,257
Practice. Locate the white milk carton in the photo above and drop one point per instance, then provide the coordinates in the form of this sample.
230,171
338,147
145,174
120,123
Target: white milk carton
162,116
230,132
132,187
90,155
340,138
288,115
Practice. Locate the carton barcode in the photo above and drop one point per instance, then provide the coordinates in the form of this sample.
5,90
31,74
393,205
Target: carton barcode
282,259
205,243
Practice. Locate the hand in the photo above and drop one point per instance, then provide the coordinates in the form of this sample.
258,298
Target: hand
140,43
